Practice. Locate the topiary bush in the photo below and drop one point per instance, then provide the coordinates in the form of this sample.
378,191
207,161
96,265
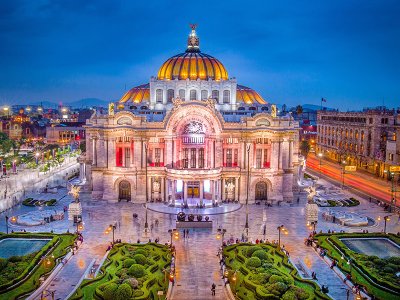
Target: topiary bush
132,282
261,254
137,271
128,262
253,262
140,259
123,292
110,290
251,250
141,251
275,278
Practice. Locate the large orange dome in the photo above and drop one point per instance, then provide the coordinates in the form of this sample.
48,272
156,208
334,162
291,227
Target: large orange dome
192,64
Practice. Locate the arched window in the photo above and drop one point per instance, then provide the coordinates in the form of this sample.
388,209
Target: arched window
170,95
215,95
159,95
204,94
182,94
193,95
227,96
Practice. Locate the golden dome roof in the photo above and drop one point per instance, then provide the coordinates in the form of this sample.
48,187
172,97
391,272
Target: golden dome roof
192,64
137,94
248,95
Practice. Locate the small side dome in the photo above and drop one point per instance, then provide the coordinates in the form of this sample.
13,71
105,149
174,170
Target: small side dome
137,94
248,95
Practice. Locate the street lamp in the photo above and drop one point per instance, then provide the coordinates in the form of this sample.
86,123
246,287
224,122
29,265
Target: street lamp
221,234
350,263
174,234
37,155
386,219
146,224
313,225
281,228
343,169
247,192
79,226
392,191
112,228
320,162
7,223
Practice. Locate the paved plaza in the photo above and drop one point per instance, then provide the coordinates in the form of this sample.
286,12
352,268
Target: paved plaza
197,264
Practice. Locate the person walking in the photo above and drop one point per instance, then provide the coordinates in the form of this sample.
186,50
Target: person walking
213,287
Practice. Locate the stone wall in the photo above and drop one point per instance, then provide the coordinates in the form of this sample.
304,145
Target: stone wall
14,188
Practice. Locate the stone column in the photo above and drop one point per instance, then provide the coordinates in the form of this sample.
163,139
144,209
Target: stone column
94,151
81,171
280,156
223,194
162,189
212,183
137,152
218,153
112,153
236,188
201,192
274,155
291,154
184,191
168,155
173,191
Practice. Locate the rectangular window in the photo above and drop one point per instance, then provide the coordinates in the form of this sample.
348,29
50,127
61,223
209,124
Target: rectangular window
266,159
150,157
119,157
157,157
235,157
227,96
229,157
185,158
201,158
258,158
182,94
127,157
193,158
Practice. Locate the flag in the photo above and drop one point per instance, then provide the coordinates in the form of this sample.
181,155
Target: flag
323,100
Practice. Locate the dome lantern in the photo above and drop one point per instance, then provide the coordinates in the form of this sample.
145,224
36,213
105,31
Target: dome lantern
193,42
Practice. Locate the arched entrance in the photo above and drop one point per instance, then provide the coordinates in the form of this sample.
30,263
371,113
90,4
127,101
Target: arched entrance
124,191
261,191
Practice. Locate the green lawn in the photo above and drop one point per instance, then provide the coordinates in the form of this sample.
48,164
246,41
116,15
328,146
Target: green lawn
17,270
263,272
131,271
380,271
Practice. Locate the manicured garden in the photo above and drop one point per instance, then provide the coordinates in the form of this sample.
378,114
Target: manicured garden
34,202
264,272
19,275
346,202
376,275
131,271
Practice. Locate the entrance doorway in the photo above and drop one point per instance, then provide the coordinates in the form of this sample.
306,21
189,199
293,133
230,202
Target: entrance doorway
124,191
261,191
193,189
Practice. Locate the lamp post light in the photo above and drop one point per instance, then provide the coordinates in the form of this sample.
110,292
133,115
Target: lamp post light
221,234
79,226
386,219
112,228
313,225
392,191
320,162
146,224
350,263
174,234
281,228
247,193
7,224
37,155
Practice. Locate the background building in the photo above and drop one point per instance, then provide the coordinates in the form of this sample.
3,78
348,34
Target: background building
366,139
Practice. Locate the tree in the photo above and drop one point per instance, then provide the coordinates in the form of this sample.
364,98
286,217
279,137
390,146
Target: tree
305,148
6,145
299,109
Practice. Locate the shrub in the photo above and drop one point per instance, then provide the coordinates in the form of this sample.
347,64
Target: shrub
300,293
289,295
141,251
128,262
140,259
123,292
261,278
137,271
15,258
275,278
250,250
110,290
132,282
51,202
3,263
253,262
137,293
261,254
278,288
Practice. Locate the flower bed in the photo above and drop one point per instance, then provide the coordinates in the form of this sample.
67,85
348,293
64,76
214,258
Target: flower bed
131,271
20,274
263,272
376,275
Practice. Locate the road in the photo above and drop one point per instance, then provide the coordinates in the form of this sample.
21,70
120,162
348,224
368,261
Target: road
368,184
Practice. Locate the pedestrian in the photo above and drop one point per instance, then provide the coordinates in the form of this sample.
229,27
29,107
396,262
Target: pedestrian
187,233
184,233
298,200
213,287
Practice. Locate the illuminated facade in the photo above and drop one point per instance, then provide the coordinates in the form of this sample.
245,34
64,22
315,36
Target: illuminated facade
196,135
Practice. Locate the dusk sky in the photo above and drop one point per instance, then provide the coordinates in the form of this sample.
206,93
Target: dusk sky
294,52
